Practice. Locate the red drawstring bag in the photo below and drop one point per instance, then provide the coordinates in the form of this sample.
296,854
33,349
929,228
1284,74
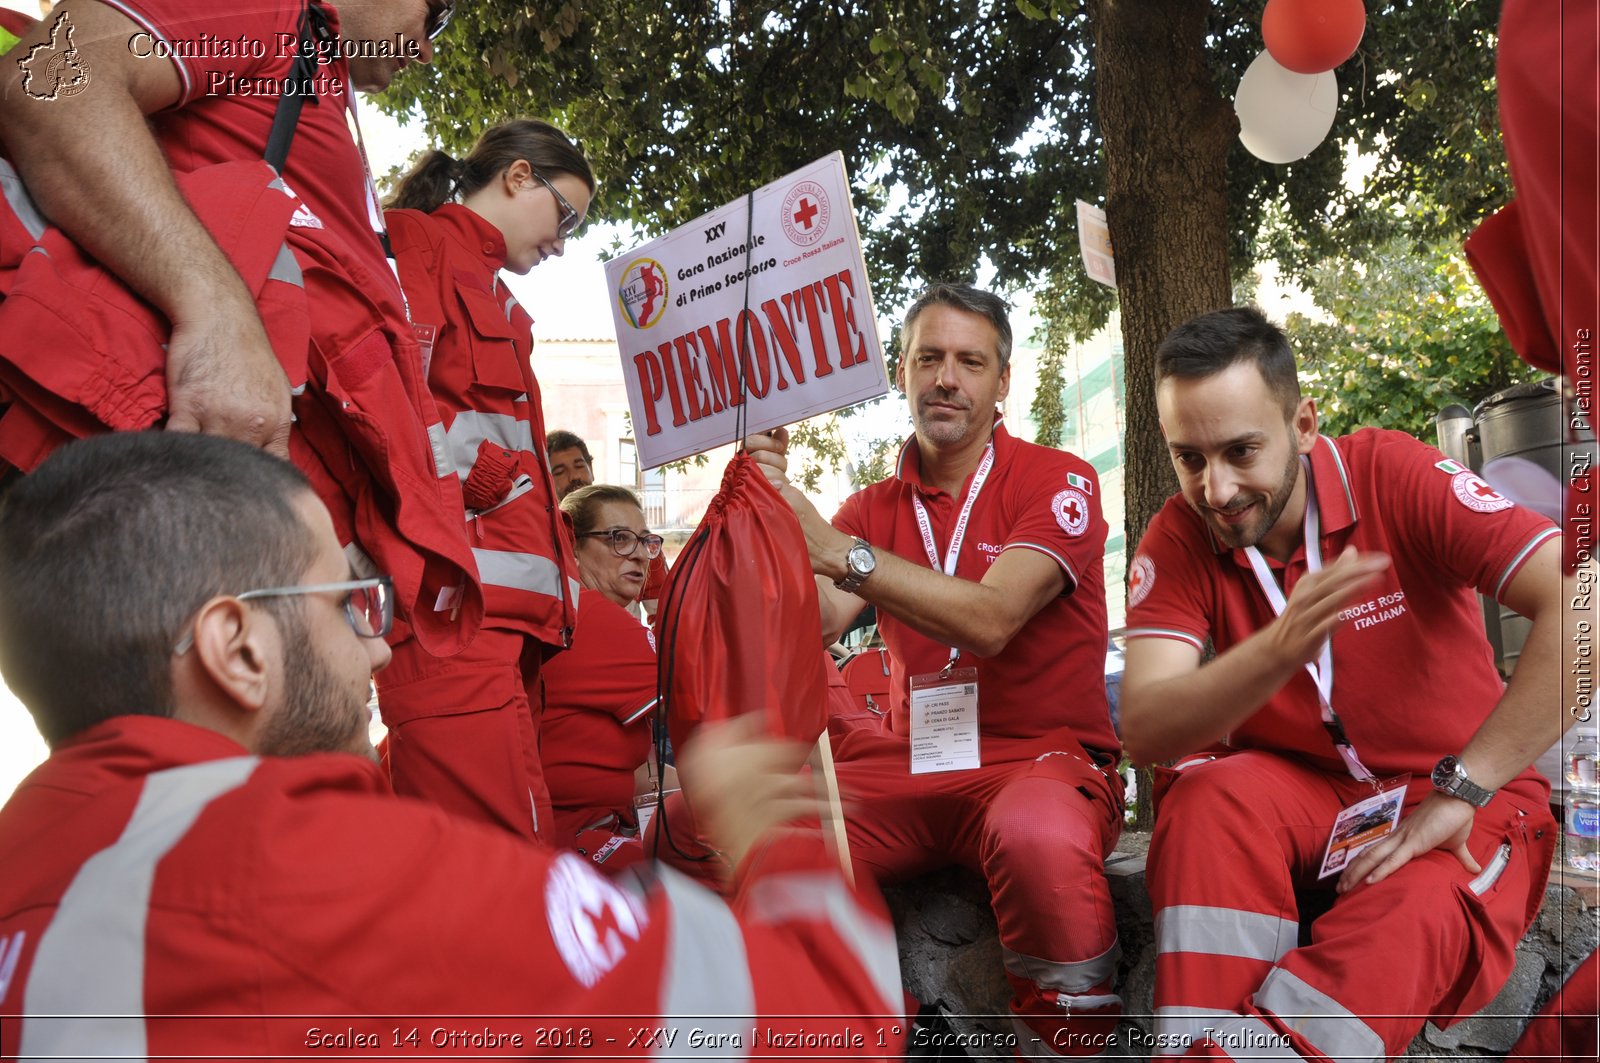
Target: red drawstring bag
739,625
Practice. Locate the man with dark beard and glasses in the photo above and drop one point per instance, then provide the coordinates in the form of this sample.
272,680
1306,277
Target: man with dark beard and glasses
209,865
1351,740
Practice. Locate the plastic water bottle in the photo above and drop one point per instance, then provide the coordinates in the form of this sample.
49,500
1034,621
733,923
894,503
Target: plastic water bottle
1581,834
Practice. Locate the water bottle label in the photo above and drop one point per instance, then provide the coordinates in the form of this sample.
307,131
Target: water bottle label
1584,822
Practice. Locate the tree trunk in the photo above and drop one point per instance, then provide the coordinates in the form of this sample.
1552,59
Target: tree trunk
1166,135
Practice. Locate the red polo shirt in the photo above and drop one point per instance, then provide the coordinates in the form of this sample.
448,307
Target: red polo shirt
1052,674
218,120
596,729
1413,674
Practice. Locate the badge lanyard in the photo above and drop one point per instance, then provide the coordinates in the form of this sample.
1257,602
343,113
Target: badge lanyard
1321,671
374,211
953,554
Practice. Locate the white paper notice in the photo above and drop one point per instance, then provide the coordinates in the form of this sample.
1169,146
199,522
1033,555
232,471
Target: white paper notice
944,727
759,308
1094,241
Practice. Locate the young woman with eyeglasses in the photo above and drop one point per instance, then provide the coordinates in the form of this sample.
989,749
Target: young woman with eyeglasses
463,731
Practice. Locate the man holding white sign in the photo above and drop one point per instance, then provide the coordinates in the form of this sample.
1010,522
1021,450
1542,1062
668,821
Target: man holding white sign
983,554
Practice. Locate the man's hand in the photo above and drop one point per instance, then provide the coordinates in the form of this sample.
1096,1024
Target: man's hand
224,379
825,544
1439,822
1312,611
741,783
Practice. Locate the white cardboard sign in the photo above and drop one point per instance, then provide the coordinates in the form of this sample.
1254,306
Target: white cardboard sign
781,268
1094,242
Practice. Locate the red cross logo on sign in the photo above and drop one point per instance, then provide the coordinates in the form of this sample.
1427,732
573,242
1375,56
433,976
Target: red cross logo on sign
805,215
1071,508
1471,491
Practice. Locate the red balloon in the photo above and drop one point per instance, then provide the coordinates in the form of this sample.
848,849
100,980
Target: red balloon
1311,36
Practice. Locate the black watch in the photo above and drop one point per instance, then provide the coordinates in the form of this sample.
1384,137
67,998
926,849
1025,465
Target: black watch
1450,777
859,563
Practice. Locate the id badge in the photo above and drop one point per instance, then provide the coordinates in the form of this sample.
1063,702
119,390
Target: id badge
425,335
1364,823
644,809
944,721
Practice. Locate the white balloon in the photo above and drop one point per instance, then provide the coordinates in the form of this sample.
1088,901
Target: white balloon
1284,115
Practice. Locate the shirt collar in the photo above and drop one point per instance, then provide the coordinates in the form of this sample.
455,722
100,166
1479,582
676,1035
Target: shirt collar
908,469
469,229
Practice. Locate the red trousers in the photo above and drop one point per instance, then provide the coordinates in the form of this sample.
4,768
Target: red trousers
1236,838
1037,820
464,730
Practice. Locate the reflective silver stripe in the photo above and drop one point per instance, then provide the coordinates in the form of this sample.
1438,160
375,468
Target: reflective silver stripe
286,268
440,444
1491,874
524,572
1247,1037
573,587
1073,977
470,428
708,973
21,204
1175,1027
1225,932
818,895
1311,1013
91,959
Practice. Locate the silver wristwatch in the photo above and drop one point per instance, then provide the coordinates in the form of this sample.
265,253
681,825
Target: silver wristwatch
859,563
1450,777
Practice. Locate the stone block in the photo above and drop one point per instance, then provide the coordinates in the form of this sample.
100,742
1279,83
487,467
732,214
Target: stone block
950,952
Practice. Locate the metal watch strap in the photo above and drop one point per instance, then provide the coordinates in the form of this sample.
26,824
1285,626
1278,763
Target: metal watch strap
853,579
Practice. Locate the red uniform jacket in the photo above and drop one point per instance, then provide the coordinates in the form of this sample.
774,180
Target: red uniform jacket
158,874
481,376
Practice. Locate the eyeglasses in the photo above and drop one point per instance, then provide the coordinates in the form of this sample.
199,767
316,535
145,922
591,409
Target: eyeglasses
439,18
624,542
570,218
368,605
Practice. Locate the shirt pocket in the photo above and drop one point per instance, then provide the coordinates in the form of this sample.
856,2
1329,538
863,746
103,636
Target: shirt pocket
494,341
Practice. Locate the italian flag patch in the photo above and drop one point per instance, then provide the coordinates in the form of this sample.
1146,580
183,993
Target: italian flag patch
1451,467
1082,483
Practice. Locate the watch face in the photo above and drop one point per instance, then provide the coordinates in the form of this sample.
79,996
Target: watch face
861,559
1444,773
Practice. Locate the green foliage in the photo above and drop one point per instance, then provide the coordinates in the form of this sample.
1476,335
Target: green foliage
969,127
1411,332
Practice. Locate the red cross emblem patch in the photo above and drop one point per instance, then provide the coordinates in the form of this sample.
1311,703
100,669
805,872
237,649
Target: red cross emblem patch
1472,492
1071,508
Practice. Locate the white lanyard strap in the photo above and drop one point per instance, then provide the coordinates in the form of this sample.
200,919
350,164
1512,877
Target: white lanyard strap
1321,671
374,210
953,554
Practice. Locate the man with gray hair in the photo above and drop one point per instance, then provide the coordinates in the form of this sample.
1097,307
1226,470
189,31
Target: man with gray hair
983,555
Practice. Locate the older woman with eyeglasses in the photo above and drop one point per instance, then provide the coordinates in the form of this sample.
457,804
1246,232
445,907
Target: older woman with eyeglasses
595,737
463,731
